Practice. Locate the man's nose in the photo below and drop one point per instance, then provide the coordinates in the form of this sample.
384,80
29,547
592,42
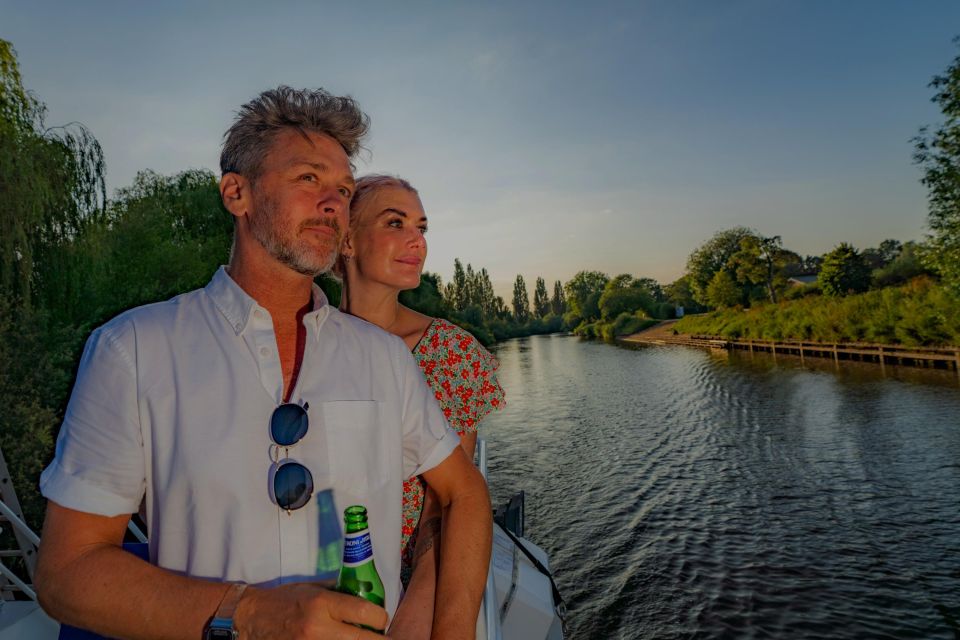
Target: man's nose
333,202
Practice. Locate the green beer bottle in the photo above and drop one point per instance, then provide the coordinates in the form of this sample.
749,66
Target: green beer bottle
358,574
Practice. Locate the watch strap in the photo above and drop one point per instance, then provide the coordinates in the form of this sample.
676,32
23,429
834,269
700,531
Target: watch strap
228,604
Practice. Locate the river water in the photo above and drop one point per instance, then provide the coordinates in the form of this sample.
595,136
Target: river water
683,493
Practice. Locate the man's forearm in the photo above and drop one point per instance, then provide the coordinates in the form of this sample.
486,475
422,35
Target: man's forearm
116,594
464,559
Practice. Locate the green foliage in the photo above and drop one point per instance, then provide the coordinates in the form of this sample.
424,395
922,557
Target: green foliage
920,313
51,184
541,300
760,262
428,299
679,293
937,152
37,357
583,293
902,267
623,325
521,302
801,291
624,294
711,257
722,291
558,303
844,271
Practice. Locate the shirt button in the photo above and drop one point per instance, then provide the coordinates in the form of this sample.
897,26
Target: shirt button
264,351
258,314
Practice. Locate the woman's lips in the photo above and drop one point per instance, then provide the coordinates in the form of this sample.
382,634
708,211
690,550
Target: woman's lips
411,260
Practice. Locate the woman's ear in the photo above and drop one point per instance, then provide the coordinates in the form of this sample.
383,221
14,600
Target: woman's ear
346,247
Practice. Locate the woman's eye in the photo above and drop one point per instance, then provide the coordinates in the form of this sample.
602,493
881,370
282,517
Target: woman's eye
396,223
345,192
423,230
307,177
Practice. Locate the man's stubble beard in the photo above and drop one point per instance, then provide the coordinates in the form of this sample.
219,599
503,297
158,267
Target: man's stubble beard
267,227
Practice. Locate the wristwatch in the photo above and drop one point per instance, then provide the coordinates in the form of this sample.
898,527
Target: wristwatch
220,626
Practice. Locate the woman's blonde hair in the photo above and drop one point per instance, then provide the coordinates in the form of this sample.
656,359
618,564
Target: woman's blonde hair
366,187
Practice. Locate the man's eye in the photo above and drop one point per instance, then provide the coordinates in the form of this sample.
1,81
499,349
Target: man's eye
396,222
307,177
423,230
346,193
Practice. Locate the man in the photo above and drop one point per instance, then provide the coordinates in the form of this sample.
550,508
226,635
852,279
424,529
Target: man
239,412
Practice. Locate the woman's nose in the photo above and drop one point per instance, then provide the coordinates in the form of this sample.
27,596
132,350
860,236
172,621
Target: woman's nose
416,238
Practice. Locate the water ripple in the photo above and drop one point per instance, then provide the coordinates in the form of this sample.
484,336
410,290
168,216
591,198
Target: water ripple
685,494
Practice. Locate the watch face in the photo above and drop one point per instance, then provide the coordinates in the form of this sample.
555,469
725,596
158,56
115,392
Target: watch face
220,634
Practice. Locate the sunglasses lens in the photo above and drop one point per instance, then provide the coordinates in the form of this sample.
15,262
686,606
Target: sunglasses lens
292,486
288,424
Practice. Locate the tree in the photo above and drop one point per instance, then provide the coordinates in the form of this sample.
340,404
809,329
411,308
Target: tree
486,296
583,293
844,271
723,290
426,298
521,302
679,293
713,256
653,288
760,261
938,153
905,266
624,294
541,301
456,290
558,303
52,183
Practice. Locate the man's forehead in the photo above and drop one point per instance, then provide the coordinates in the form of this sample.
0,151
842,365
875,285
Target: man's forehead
318,150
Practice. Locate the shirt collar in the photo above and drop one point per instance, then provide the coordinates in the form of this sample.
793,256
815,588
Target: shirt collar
237,306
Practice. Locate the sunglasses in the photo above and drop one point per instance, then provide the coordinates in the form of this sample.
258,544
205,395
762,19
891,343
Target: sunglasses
292,482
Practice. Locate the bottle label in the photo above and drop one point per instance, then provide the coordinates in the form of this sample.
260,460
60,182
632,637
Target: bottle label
357,548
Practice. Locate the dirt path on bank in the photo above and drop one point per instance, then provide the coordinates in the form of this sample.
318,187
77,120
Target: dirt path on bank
661,333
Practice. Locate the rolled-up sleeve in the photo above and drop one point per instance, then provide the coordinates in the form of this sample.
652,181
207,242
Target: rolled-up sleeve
99,465
427,437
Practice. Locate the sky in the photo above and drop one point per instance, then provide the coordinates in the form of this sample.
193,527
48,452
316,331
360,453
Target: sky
545,138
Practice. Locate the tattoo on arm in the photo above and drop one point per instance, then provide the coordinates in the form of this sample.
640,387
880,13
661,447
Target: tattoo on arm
428,533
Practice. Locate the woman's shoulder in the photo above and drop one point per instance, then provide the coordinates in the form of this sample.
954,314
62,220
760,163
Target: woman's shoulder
448,330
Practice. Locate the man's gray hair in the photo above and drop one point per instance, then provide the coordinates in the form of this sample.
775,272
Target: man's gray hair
248,141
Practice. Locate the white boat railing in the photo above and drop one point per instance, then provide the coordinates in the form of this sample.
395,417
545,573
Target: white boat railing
491,619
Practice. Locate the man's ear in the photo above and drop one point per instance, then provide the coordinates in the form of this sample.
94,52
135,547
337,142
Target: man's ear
235,194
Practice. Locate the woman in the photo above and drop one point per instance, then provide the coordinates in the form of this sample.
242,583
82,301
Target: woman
382,255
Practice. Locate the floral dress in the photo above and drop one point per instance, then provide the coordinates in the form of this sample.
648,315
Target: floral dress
462,375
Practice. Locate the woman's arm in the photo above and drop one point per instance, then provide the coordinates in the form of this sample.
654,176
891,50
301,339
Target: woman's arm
414,617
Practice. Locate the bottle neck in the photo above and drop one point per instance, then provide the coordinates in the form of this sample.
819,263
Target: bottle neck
355,519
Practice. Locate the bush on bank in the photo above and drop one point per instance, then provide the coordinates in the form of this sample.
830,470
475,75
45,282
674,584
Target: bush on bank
624,325
920,313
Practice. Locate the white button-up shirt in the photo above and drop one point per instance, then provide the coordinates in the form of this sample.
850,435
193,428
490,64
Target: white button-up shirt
173,402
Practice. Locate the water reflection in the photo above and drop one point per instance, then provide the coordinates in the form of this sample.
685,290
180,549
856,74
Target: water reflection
685,493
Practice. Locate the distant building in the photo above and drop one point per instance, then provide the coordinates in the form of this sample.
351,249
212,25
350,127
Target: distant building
802,281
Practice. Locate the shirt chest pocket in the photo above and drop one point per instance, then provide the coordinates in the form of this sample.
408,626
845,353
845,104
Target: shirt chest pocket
356,446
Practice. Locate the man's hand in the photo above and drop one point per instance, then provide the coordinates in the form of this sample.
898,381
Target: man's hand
308,612
85,579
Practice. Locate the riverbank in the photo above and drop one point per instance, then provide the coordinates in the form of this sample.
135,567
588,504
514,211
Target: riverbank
665,333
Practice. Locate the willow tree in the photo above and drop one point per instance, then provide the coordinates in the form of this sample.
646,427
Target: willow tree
51,183
937,151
